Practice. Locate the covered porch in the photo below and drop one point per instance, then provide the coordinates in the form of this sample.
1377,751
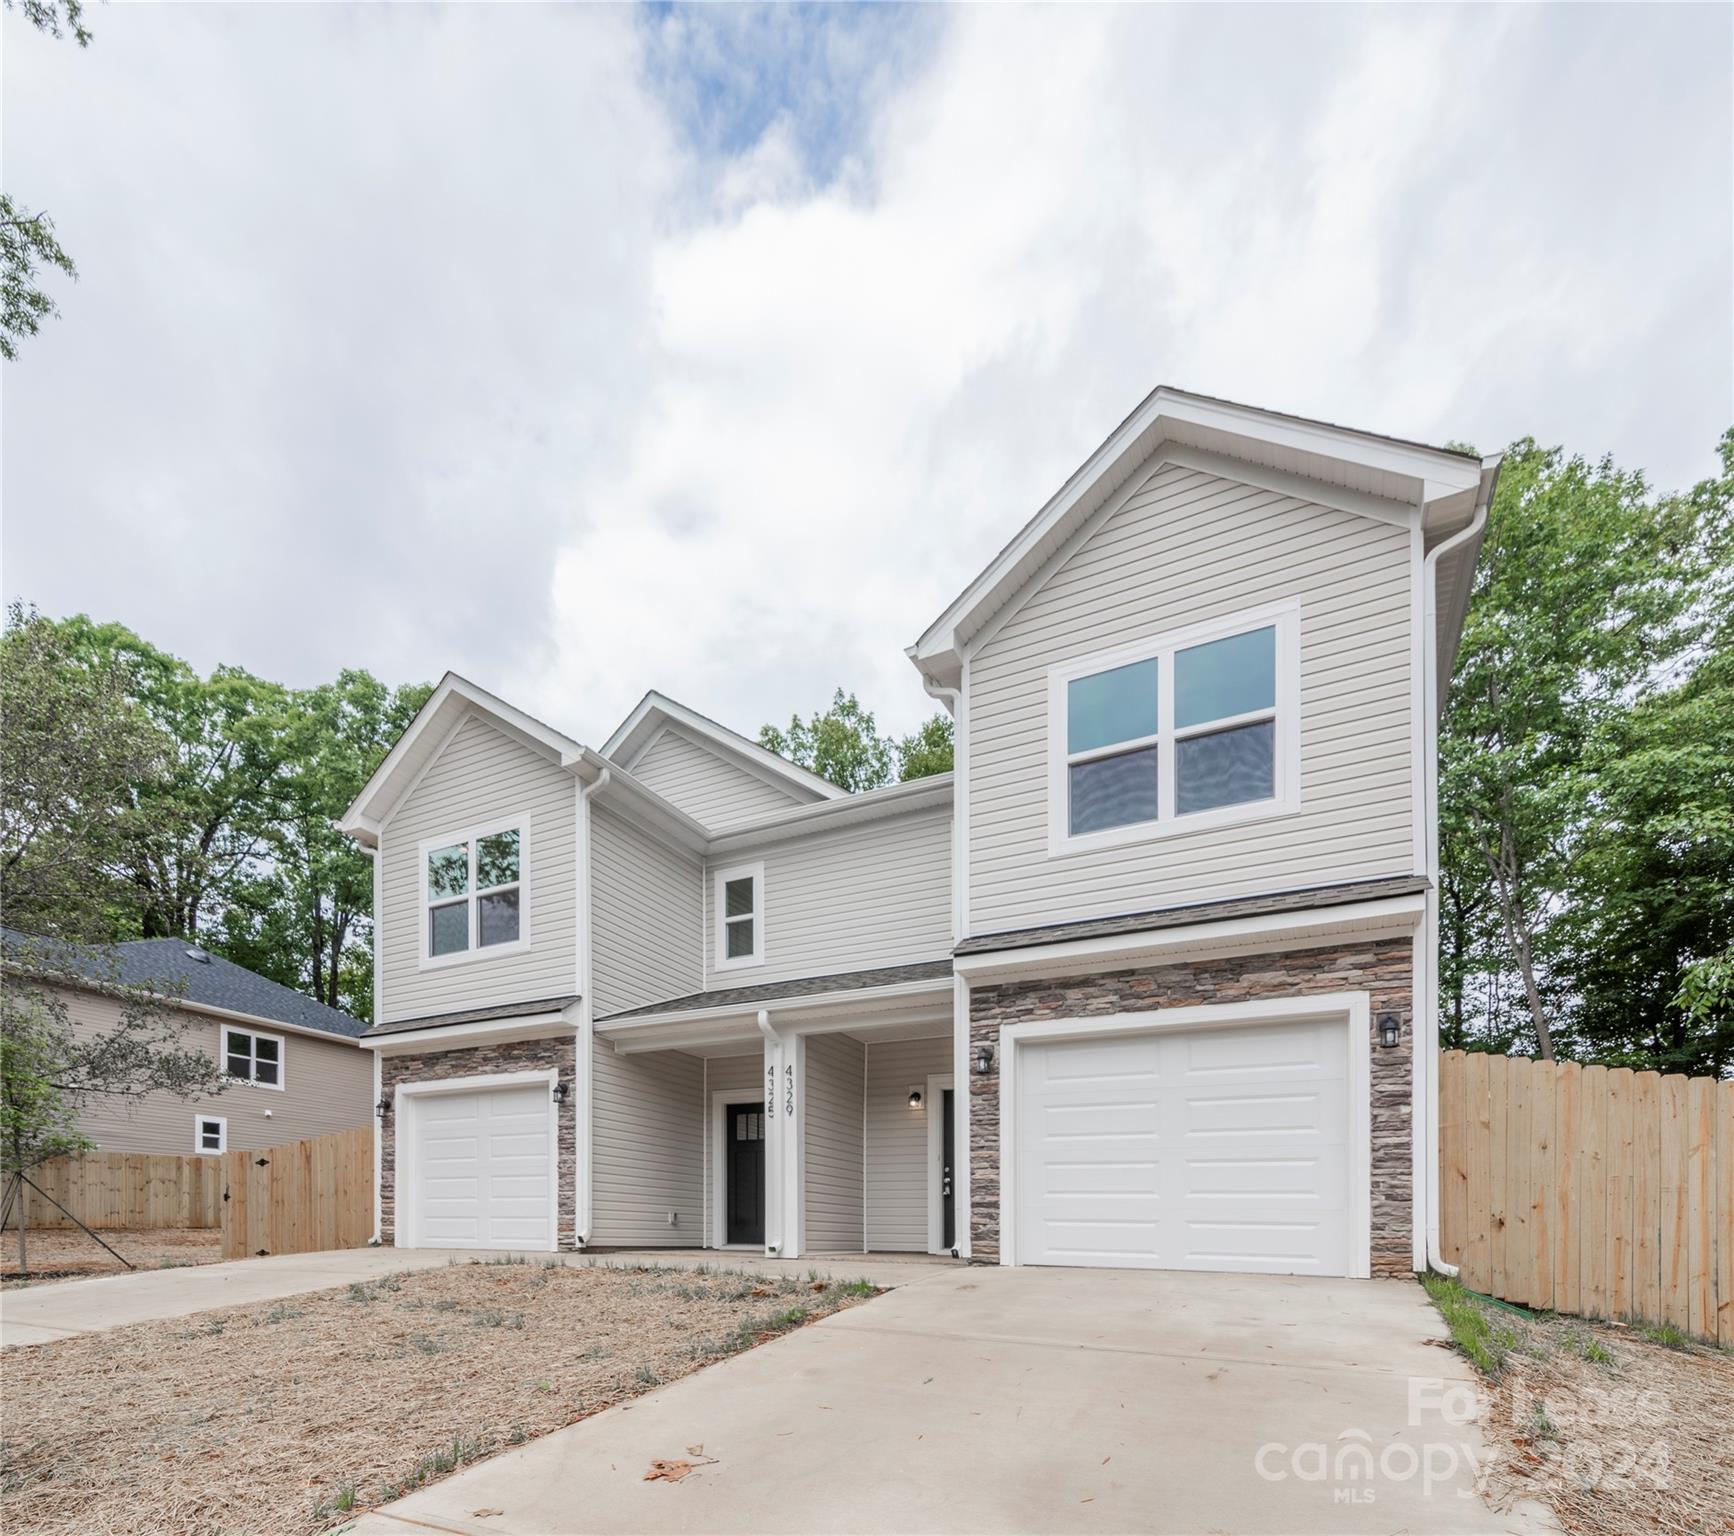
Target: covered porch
812,1122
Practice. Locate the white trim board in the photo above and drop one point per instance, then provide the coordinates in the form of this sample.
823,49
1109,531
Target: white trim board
715,1172
1353,1009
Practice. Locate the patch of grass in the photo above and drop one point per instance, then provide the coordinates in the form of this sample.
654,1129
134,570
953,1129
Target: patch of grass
283,1313
340,1503
445,1304
856,1288
427,1344
646,1377
501,1258
447,1459
1665,1334
492,1317
359,1292
1540,1425
1586,1346
1483,1340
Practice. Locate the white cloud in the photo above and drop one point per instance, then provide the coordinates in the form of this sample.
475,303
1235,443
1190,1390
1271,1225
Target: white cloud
474,338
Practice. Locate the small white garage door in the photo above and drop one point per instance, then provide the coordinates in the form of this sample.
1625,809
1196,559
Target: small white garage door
483,1176
1221,1148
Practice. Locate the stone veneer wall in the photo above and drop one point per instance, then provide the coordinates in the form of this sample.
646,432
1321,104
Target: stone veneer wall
559,1053
1382,968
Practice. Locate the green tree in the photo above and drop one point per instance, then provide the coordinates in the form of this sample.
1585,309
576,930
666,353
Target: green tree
28,244
843,745
200,829
928,749
1590,594
306,919
77,756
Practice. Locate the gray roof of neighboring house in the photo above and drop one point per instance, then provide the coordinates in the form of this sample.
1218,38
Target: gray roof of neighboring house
473,1015
1198,912
179,968
805,986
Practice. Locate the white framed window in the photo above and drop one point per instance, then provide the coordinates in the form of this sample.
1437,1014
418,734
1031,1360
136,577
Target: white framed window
738,899
1196,728
210,1134
475,893
253,1057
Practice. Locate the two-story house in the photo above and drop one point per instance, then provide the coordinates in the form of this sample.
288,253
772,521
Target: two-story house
1147,981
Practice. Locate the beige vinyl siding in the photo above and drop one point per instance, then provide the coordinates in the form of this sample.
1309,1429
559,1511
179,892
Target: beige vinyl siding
834,1077
742,1076
327,1086
707,786
871,895
897,1173
481,776
646,1148
647,913
1190,547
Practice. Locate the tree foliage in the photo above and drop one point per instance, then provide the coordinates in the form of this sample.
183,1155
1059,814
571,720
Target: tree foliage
1586,813
843,745
28,244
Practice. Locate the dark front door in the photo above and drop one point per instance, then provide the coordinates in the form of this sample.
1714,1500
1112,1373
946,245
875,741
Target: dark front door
744,1158
947,1193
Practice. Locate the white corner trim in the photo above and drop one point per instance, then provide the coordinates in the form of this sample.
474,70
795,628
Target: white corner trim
1285,618
1392,915
474,953
719,930
1353,1008
933,1108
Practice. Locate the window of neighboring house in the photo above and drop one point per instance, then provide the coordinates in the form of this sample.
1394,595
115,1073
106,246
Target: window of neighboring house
473,895
210,1133
1193,729
739,897
256,1058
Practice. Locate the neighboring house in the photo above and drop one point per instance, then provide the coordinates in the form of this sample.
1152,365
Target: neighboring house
1148,981
295,1067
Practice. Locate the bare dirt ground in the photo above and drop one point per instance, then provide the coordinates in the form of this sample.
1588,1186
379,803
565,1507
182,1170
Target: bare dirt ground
1616,1429
58,1255
286,1417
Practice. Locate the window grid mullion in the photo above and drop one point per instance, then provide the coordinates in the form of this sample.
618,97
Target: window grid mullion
1226,723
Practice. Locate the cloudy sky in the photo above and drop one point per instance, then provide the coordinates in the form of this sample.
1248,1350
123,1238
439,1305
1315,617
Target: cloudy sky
583,349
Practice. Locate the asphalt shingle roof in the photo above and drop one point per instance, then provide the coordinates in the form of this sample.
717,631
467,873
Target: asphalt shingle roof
478,1015
170,966
806,986
1197,912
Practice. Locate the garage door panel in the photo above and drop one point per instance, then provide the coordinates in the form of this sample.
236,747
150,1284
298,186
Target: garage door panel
483,1169
1219,1149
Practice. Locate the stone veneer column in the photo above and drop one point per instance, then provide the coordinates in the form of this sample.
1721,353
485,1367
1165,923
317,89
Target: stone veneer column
557,1053
1381,968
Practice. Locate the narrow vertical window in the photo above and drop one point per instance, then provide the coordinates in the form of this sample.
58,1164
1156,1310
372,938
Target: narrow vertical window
740,922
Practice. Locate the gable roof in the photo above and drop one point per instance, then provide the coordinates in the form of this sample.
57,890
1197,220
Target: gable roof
447,707
1382,477
179,969
655,712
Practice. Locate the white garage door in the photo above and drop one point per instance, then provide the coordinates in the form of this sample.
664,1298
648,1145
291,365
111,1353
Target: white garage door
1223,1148
483,1176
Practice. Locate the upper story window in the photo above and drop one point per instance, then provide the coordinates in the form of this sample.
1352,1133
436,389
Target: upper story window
738,896
1189,730
474,897
253,1057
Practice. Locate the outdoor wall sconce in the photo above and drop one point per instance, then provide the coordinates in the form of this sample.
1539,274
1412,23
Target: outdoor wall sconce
915,1098
1390,1031
383,1107
560,1092
983,1060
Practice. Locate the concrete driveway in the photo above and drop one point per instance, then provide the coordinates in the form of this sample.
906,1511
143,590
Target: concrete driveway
1026,1400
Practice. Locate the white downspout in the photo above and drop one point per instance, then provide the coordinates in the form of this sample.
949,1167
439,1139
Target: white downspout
1428,1050
584,1062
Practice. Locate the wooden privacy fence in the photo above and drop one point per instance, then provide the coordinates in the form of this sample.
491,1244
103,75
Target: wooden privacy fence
126,1191
1593,1190
302,1197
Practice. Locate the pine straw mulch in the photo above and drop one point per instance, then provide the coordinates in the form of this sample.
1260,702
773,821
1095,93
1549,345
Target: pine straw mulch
71,1255
283,1417
1616,1429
